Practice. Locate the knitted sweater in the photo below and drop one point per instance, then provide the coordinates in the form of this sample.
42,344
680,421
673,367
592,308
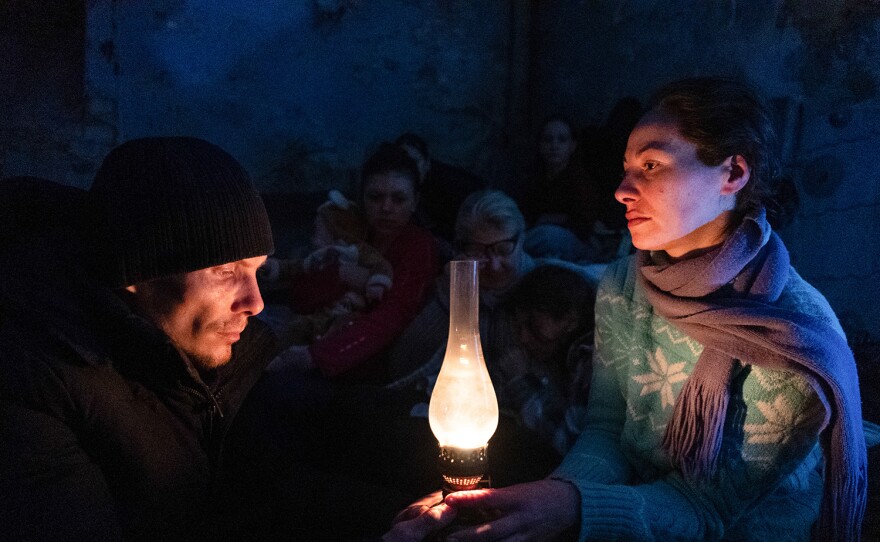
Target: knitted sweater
768,485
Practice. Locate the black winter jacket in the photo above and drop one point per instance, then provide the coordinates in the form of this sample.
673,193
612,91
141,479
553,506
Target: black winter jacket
106,431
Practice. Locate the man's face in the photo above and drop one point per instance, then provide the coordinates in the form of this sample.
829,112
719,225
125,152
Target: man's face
209,310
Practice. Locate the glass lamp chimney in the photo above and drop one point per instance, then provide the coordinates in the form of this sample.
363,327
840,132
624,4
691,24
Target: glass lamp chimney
463,412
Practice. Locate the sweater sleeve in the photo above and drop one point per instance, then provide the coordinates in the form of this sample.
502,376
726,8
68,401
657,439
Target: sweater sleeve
415,264
597,455
674,508
766,486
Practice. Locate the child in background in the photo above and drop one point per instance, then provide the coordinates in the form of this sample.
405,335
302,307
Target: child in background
543,379
340,239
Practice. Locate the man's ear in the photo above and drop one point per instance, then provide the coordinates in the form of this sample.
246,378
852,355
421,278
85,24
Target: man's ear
132,288
739,173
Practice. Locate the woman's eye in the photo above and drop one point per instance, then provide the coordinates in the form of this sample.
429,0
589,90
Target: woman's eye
650,166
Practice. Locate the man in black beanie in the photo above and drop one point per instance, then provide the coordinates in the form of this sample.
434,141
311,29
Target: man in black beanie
128,348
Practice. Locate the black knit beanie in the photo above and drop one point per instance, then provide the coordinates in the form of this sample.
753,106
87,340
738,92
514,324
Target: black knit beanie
167,205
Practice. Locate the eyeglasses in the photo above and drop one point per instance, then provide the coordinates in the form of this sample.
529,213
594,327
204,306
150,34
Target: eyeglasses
505,247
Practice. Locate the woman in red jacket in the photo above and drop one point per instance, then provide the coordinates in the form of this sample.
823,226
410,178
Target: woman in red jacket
389,191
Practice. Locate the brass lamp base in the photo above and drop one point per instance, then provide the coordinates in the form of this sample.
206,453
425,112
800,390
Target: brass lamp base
462,468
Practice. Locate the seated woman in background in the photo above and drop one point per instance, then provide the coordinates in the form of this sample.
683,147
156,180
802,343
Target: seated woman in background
724,401
525,345
559,200
489,228
339,238
389,192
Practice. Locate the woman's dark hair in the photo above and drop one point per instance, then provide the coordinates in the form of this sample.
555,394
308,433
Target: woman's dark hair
390,158
723,117
557,291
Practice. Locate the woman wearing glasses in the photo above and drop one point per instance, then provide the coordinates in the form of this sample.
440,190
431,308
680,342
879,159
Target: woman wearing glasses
489,228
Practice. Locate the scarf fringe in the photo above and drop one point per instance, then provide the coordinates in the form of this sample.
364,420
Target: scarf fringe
843,502
694,434
747,325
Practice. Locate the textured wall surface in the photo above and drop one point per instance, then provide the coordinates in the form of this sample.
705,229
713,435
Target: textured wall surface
299,91
817,61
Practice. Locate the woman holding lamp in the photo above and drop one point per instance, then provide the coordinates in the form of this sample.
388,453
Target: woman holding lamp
721,378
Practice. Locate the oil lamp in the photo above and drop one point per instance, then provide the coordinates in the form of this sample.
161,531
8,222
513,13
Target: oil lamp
463,412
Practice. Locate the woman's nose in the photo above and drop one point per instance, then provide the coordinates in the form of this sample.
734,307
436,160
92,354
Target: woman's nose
626,192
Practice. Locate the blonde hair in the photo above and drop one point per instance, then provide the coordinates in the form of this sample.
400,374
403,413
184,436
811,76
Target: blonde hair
488,208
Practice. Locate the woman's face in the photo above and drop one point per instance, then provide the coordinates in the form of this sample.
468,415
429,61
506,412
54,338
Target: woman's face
389,202
556,144
673,201
500,254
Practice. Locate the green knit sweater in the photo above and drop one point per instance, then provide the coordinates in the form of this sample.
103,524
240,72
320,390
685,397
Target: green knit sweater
769,484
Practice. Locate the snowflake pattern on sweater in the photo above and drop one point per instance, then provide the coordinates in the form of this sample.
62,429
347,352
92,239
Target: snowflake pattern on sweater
768,484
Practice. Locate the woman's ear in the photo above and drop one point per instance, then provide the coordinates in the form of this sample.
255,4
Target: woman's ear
739,173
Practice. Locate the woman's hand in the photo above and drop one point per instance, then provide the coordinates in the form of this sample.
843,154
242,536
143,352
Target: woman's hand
537,511
420,519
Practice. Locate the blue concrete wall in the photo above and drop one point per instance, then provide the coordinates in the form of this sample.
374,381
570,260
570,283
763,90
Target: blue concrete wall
299,91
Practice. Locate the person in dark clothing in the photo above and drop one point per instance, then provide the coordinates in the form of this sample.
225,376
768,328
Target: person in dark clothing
127,351
127,348
442,190
31,206
559,199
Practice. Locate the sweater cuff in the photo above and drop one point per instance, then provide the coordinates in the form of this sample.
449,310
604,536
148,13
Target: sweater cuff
579,466
610,512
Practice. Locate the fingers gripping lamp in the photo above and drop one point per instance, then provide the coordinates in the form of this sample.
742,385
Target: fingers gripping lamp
463,412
